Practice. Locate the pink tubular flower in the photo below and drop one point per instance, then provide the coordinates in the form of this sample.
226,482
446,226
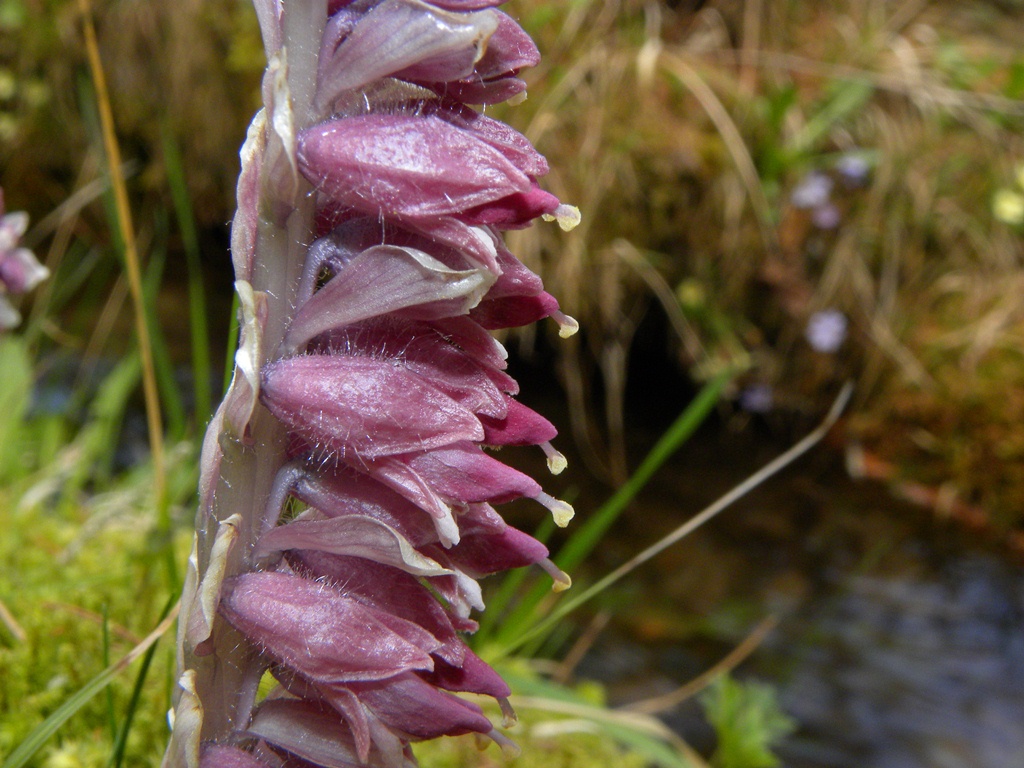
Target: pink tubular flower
346,487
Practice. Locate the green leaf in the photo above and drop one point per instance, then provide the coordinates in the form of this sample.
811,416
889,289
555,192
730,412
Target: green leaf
747,720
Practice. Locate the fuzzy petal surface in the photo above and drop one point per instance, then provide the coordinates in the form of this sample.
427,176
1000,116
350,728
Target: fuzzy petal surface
315,630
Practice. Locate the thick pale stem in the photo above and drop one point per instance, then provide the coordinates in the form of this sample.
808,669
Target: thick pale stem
224,680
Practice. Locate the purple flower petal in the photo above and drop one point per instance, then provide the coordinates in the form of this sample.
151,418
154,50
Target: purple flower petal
485,554
394,473
475,340
396,37
345,493
385,279
521,426
515,211
387,589
813,191
397,165
414,707
466,5
318,632
473,675
223,756
464,473
494,78
502,137
429,355
359,406
516,278
826,330
311,732
20,272
514,311
352,535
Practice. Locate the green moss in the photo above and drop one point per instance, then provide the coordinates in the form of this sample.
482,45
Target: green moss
66,574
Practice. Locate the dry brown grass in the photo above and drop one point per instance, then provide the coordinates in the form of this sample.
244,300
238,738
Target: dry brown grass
680,136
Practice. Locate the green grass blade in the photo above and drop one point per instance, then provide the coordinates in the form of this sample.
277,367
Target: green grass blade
197,313
42,733
95,459
582,543
163,367
117,758
111,717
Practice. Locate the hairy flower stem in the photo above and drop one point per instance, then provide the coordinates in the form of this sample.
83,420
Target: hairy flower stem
247,467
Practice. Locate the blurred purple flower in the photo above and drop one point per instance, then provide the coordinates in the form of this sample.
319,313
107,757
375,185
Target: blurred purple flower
366,389
813,191
826,330
853,168
757,398
20,271
826,216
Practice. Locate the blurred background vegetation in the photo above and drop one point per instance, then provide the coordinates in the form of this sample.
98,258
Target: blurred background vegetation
804,192
695,137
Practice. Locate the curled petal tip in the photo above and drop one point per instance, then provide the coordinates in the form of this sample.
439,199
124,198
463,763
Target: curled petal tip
567,216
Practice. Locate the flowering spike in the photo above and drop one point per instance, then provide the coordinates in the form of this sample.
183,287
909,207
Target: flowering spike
345,491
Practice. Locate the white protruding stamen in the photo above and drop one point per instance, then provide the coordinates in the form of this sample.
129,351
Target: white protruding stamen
561,579
561,511
556,461
508,715
567,326
567,216
508,747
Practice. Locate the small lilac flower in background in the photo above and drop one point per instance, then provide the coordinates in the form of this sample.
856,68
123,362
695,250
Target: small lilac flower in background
814,194
813,191
346,496
20,271
853,168
826,330
826,216
757,398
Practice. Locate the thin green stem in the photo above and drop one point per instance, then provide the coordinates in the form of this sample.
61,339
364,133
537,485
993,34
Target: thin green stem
199,326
